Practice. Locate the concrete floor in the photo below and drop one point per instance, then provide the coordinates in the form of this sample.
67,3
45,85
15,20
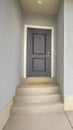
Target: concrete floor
50,121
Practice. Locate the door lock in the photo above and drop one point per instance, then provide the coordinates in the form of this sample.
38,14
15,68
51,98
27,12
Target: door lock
48,56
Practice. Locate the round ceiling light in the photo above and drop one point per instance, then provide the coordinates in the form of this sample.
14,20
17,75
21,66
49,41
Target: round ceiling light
40,2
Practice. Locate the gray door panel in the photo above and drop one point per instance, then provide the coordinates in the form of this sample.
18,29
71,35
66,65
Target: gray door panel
39,53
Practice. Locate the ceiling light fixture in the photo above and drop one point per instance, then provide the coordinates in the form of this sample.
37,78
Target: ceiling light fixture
40,2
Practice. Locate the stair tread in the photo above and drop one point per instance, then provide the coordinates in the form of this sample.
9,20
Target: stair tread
37,86
50,95
37,94
37,78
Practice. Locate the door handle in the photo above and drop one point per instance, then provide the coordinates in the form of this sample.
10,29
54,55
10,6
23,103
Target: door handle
48,53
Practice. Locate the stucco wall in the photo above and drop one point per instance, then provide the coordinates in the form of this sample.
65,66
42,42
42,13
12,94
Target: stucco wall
40,20
60,47
10,48
65,47
68,47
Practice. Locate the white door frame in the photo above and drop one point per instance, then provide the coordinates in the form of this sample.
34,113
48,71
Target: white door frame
52,47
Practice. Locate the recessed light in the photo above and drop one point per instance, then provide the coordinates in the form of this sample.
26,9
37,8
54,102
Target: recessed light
40,2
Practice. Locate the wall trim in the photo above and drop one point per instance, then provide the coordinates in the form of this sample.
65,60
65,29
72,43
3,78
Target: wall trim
4,114
68,103
52,47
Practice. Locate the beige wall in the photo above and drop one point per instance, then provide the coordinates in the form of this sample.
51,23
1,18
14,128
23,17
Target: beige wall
60,47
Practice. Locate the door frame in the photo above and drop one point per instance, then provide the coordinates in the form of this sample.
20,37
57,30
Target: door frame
52,47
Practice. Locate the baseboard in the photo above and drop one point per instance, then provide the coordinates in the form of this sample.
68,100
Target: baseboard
68,103
4,114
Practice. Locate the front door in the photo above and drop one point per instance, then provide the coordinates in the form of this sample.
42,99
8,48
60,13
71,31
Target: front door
38,53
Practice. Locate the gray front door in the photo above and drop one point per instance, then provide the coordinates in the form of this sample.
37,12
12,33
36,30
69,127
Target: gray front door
38,52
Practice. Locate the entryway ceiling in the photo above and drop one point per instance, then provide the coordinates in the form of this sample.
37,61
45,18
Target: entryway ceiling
48,7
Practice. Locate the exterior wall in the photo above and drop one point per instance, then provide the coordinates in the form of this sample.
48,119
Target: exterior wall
60,47
11,29
68,48
39,20
10,39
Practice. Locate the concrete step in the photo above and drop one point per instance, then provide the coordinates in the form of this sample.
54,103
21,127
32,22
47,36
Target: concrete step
38,99
38,90
37,79
37,86
36,108
37,95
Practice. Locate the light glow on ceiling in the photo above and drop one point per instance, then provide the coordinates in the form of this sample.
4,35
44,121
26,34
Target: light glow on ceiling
40,2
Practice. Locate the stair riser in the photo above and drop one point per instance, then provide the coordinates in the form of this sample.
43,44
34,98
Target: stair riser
37,91
44,109
37,95
37,79
38,99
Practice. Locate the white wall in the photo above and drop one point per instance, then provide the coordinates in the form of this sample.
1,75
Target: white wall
65,47
10,48
40,20
68,47
60,47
